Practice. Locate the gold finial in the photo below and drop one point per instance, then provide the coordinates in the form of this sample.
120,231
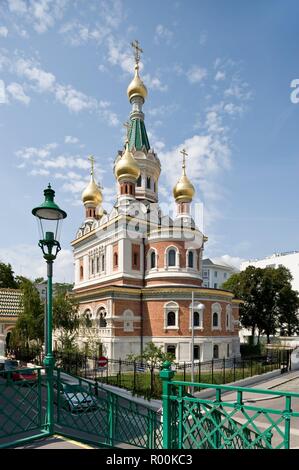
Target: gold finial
137,51
92,160
185,154
127,125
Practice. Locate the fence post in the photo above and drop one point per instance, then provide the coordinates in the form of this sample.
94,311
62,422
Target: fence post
287,426
111,418
166,375
234,362
212,371
119,372
134,379
224,370
184,371
243,365
152,380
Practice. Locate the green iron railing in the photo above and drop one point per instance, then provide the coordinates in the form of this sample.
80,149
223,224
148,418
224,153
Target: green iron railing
22,416
105,418
229,420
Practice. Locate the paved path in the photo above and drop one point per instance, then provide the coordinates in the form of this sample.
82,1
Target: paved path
55,442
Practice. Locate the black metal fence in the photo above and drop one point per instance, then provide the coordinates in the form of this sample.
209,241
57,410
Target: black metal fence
143,379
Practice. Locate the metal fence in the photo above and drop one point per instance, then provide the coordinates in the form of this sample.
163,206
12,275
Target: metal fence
143,379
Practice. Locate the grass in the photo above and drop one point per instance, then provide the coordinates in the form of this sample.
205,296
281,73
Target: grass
142,385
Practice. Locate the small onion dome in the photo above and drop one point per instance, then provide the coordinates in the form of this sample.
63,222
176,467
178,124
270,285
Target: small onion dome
127,167
92,193
184,189
136,87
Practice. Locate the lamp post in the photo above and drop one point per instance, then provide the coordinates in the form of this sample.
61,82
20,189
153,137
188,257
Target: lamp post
49,217
200,308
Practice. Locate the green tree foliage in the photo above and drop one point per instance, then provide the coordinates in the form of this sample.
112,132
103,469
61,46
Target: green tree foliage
7,279
152,355
30,323
269,302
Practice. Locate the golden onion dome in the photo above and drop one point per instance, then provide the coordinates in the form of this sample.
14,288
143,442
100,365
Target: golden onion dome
184,189
92,194
127,167
136,87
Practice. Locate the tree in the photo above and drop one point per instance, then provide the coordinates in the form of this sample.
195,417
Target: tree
268,299
7,279
152,355
66,320
30,323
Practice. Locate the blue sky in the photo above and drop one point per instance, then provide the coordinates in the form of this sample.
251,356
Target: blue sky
218,74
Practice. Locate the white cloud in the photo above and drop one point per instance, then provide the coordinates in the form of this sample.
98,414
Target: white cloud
26,260
3,31
119,54
220,75
3,96
44,81
32,152
42,14
17,93
74,186
71,140
154,83
74,100
234,261
196,74
163,34
39,172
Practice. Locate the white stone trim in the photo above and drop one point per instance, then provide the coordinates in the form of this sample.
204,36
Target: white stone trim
171,307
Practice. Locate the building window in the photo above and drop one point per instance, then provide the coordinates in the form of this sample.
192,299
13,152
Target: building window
139,181
170,319
171,257
171,349
148,182
228,317
205,274
92,266
225,275
155,186
153,260
215,320
196,352
171,315
115,260
103,262
98,264
227,350
216,351
215,273
196,319
81,273
215,285
191,259
136,257
102,320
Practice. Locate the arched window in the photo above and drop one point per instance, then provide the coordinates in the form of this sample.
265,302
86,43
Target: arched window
98,264
103,321
190,259
215,320
153,260
216,351
196,319
216,316
103,262
139,181
81,273
171,257
228,317
170,319
148,182
92,266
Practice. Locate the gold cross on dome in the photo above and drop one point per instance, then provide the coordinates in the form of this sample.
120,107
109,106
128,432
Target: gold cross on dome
127,125
137,50
92,160
185,154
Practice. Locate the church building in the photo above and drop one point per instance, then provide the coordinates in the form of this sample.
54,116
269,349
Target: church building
136,268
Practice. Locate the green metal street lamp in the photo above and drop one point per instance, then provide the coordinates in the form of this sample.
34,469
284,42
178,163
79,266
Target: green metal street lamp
49,217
